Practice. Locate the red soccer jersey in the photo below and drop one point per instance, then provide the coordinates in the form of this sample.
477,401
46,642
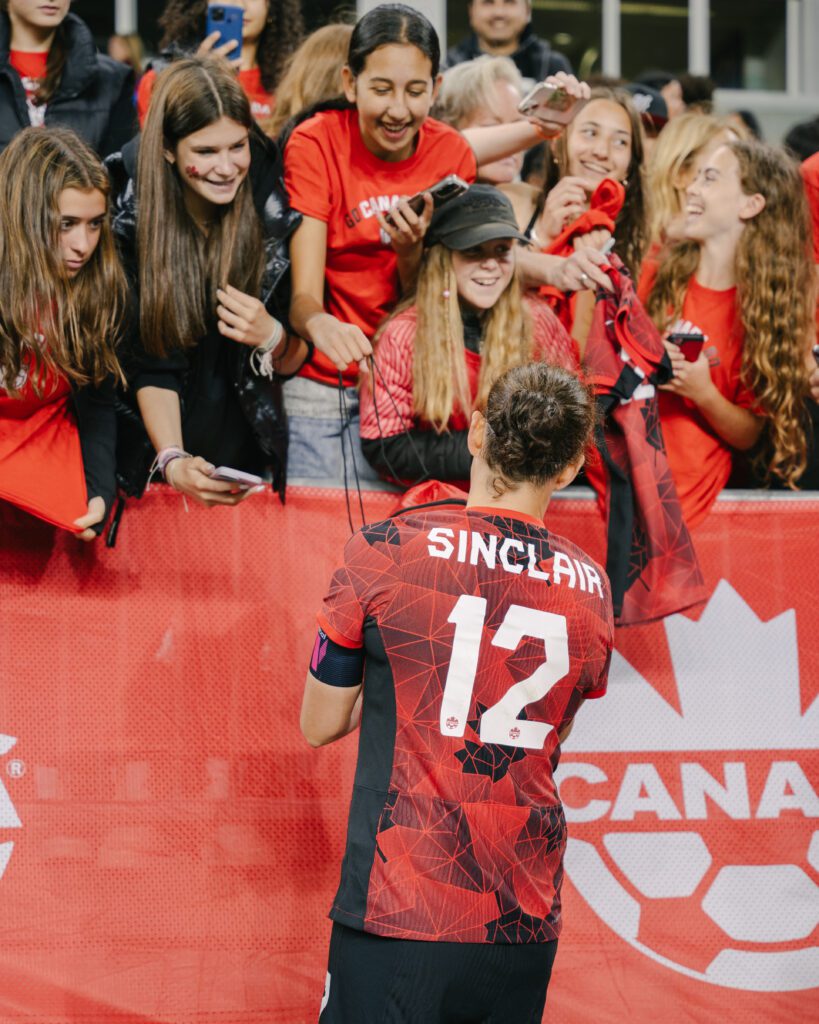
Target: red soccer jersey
330,175
701,461
482,633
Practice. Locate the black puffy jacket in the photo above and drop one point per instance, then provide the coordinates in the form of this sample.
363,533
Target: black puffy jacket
94,97
259,398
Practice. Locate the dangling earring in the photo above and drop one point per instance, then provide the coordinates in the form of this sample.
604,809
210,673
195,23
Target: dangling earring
446,293
624,182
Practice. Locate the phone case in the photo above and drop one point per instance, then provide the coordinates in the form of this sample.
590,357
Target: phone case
226,19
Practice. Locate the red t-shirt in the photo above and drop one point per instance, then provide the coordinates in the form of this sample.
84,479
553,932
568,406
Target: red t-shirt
262,102
41,467
332,176
31,67
700,461
482,632
551,343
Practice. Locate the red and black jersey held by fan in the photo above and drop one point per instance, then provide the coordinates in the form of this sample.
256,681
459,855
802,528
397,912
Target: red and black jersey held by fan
482,632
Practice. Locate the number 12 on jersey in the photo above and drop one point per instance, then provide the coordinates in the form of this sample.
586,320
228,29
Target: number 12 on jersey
500,723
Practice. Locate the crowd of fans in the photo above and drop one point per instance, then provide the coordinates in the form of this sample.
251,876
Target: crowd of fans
257,277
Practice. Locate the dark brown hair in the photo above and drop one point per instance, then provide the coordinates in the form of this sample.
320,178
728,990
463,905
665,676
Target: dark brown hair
69,325
183,22
539,420
180,267
631,229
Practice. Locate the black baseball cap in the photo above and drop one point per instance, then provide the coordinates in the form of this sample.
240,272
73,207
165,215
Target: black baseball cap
481,214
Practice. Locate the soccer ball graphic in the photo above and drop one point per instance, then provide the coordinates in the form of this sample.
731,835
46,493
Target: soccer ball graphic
700,846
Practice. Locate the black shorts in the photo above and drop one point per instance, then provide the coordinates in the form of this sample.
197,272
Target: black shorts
373,980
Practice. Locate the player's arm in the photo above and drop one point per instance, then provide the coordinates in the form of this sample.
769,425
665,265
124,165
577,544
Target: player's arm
328,712
331,707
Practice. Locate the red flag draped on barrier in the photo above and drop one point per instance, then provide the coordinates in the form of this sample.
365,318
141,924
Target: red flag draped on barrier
169,845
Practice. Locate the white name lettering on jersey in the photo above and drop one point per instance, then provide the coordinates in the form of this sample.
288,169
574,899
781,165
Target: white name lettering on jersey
512,556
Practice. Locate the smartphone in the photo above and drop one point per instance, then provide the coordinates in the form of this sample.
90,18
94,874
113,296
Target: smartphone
236,476
690,345
551,105
226,19
442,191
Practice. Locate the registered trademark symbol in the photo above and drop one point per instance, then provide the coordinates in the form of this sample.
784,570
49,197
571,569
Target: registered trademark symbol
16,769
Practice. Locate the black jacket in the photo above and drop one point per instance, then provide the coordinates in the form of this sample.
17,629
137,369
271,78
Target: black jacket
97,425
534,57
260,399
94,97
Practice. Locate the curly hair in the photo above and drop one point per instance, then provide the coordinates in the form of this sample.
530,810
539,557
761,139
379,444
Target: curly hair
440,385
183,22
632,221
539,420
775,296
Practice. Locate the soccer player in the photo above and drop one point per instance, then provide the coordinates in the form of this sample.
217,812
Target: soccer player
462,640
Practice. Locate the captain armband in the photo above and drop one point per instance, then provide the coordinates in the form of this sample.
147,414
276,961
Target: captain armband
334,664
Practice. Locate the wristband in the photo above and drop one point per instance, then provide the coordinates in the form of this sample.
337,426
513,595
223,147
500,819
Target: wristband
165,456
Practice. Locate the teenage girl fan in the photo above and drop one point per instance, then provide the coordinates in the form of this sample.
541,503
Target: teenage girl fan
345,168
62,297
743,280
271,31
203,232
467,323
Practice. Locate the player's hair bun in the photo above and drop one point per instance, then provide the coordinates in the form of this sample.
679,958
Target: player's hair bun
539,419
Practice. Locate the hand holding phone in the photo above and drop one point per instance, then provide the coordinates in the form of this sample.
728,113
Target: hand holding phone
236,476
442,191
689,344
551,107
225,21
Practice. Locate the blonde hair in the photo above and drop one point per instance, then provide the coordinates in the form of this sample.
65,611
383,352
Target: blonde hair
80,318
440,384
312,74
775,296
678,145
469,85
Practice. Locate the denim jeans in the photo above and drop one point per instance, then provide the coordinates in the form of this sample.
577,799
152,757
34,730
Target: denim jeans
317,432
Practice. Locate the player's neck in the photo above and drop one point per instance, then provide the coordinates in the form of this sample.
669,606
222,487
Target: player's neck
525,498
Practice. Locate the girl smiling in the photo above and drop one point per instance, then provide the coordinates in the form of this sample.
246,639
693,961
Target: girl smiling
345,168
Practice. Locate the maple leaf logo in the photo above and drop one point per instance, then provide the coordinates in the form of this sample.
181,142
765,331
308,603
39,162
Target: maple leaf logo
724,665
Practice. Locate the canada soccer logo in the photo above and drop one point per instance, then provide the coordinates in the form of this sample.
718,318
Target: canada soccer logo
675,820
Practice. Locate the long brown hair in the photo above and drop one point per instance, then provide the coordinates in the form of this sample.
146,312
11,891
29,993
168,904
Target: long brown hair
55,64
184,24
776,299
179,267
440,384
78,318
632,222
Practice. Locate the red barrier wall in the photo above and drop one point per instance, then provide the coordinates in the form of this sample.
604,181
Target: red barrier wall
169,845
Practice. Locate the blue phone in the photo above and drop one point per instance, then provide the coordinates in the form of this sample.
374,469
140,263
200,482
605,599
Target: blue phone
226,19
